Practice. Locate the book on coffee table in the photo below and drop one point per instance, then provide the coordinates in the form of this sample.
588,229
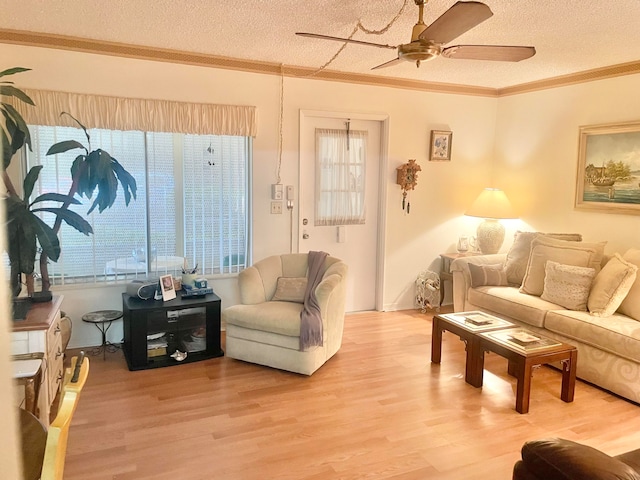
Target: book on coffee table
477,321
522,339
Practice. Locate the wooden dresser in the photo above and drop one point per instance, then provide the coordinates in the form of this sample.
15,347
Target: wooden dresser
41,332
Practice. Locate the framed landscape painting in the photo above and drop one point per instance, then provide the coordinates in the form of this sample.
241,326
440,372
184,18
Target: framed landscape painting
608,178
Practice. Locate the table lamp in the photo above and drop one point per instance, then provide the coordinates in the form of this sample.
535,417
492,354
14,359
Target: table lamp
493,205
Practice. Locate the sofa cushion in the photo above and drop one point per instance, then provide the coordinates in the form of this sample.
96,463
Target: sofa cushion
508,301
561,251
611,286
290,289
487,275
617,334
282,318
518,255
567,285
630,306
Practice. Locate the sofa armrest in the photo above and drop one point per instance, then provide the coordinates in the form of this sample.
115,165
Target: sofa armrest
462,277
559,459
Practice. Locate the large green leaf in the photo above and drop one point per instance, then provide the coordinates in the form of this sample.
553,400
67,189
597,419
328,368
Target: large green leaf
7,154
64,146
86,133
56,197
72,218
20,123
11,91
11,71
127,181
30,180
47,238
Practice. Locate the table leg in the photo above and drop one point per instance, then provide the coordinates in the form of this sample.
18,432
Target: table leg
523,375
436,341
474,368
569,376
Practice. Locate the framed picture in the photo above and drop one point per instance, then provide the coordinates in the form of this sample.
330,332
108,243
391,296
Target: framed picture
440,147
166,285
608,178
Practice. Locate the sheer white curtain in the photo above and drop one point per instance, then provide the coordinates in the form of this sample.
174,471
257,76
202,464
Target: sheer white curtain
340,176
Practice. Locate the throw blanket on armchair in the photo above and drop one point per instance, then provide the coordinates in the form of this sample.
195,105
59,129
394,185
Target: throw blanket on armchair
310,317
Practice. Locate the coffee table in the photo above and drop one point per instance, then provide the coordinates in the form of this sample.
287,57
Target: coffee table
466,325
525,351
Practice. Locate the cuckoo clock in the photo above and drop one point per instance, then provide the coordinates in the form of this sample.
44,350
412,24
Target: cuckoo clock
407,179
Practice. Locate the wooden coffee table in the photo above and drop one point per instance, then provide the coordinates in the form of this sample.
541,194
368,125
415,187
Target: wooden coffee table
465,325
523,357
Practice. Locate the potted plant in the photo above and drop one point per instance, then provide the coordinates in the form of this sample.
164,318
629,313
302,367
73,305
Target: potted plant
92,170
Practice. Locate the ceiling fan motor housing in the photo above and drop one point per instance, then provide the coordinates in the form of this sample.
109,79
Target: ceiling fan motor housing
419,51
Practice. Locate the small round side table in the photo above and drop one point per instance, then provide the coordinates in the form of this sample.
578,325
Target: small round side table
102,320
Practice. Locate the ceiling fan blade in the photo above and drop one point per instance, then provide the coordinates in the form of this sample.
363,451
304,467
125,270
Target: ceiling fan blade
454,22
338,39
390,63
500,53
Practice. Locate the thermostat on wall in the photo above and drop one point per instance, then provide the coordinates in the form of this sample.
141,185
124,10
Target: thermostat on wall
276,191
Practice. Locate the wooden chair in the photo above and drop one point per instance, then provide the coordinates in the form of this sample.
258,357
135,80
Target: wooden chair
56,447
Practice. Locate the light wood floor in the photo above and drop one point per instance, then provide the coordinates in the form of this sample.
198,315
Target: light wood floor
377,410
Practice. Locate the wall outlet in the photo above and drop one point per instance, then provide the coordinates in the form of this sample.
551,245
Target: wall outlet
290,192
276,207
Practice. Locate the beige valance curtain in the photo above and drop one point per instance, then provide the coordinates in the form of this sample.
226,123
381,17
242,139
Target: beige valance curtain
116,113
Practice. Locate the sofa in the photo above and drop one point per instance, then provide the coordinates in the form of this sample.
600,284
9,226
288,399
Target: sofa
569,290
560,459
265,327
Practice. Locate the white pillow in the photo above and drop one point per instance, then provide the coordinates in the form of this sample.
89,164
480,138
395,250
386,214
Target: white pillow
630,306
544,249
567,285
518,255
611,286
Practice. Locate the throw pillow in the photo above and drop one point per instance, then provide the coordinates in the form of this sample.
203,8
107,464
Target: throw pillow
630,306
487,275
611,286
567,285
544,249
518,255
290,289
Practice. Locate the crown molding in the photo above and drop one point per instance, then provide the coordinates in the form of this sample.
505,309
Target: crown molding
76,44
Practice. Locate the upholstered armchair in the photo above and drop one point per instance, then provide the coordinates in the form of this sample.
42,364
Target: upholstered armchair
265,328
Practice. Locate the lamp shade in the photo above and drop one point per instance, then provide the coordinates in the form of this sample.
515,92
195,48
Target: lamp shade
491,203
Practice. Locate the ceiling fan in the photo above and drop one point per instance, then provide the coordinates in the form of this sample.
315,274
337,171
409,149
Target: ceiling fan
427,42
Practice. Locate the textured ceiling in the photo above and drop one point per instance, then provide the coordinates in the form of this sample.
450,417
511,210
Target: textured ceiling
569,35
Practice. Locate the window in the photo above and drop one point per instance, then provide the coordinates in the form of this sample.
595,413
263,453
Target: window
192,205
340,176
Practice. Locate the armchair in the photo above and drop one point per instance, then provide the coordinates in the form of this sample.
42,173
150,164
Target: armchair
265,328
560,459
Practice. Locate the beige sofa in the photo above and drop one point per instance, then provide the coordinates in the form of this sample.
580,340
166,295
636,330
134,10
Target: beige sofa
265,327
608,342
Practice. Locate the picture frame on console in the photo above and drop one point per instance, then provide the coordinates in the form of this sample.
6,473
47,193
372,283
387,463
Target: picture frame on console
166,285
608,176
440,146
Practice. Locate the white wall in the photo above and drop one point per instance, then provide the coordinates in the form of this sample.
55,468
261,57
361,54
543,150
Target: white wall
536,155
413,241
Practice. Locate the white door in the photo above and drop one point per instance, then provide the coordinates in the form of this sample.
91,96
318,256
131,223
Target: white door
357,245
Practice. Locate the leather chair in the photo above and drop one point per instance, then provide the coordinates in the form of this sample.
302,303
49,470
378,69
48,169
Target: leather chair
559,459
265,328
